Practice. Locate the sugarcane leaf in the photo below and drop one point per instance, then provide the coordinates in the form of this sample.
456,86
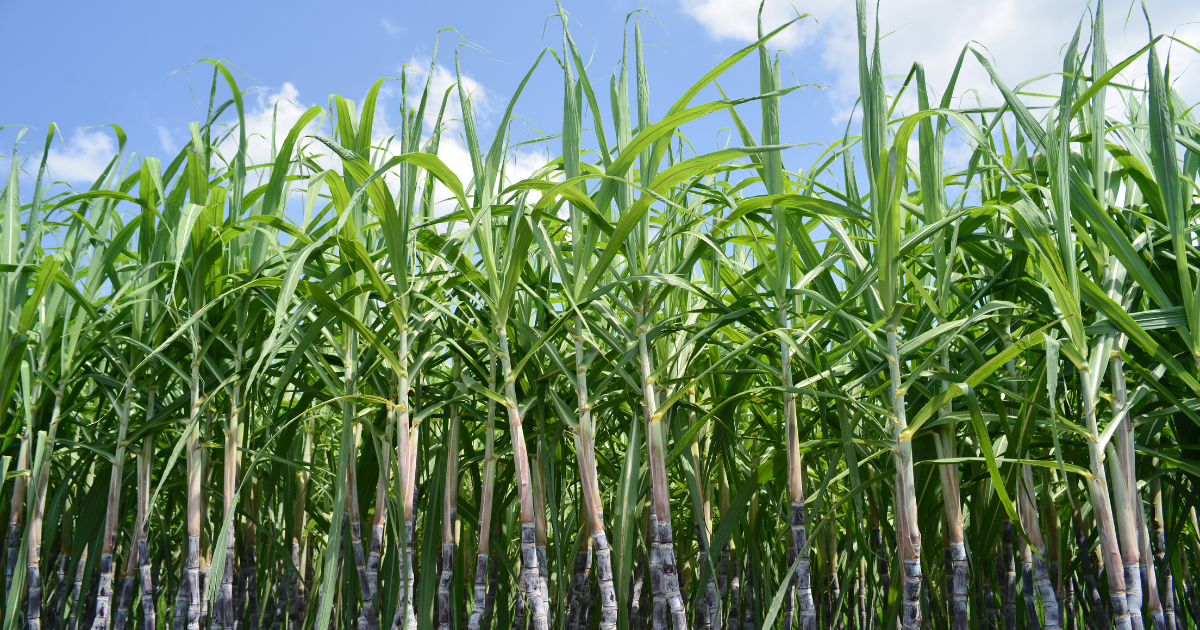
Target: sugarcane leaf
1006,460
666,180
989,456
1099,300
1156,384
45,277
975,378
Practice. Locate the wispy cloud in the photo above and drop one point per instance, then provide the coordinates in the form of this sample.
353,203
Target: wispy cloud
83,156
268,122
738,20
391,27
452,146
1025,38
442,79
166,140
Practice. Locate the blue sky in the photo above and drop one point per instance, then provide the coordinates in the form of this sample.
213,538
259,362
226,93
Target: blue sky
87,64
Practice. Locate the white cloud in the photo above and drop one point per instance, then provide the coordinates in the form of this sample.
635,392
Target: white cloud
1025,38
738,20
452,148
267,124
444,77
166,139
391,28
84,157
284,107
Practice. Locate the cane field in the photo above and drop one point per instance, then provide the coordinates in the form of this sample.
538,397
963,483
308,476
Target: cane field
642,387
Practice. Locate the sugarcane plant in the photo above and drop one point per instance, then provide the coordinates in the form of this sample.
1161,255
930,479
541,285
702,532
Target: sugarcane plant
640,386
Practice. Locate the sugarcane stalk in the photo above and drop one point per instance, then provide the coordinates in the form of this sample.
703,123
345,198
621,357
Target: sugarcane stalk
179,614
1102,510
955,551
76,591
104,589
17,513
140,534
656,443
710,607
278,599
33,573
493,584
604,578
729,562
1091,593
861,595
378,524
223,613
64,566
833,588
1149,574
406,459
798,541
907,532
518,622
1006,570
590,485
881,563
475,621
1159,540
529,560
583,619
635,592
367,620
482,556
579,576
191,582
939,622
749,614
1031,612
205,568
1124,488
957,571
354,516
300,547
658,599
574,592
1146,576
1039,570
449,512
1069,604
707,613
1053,551
541,532
250,556
1130,546
988,595
122,615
